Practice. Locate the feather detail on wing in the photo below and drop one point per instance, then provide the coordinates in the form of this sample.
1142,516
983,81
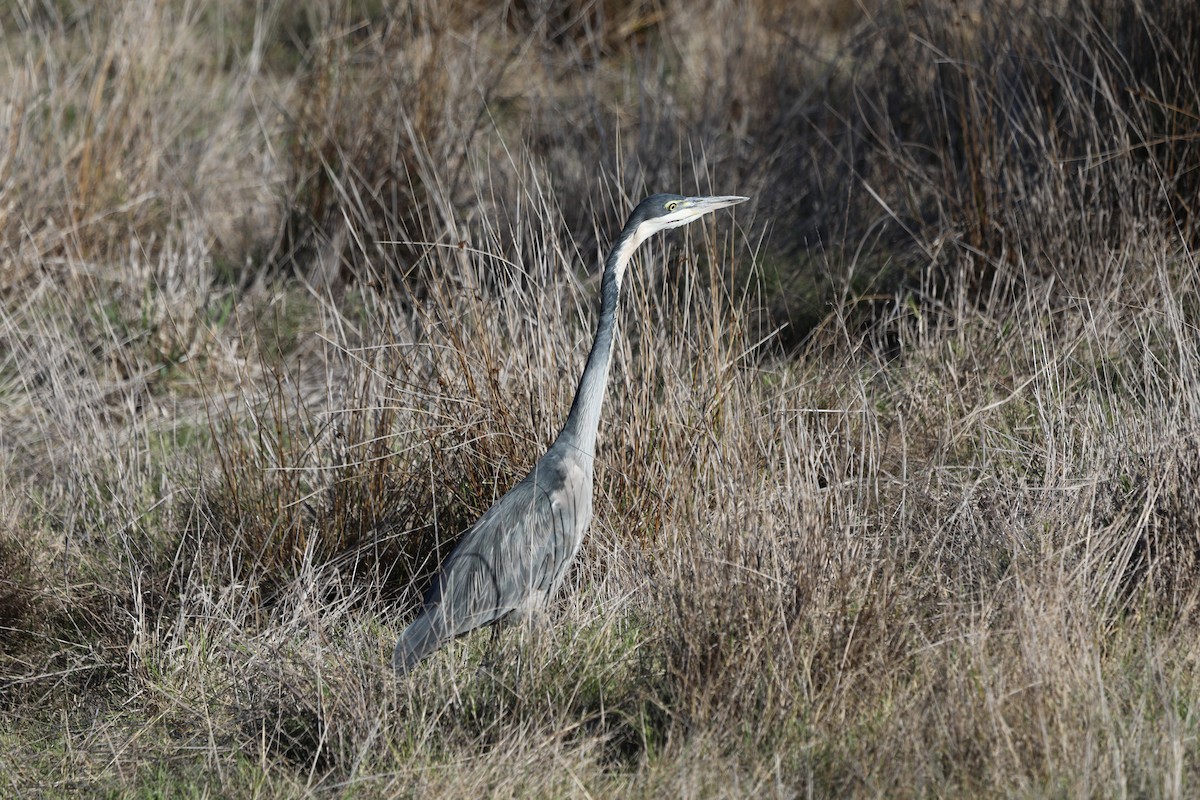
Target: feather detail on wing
510,561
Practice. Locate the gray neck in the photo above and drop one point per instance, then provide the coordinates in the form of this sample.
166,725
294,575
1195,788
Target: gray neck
579,431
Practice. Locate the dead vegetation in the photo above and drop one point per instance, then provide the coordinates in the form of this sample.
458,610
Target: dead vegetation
898,486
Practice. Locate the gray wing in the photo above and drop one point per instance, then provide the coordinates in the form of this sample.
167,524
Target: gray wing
513,557
517,553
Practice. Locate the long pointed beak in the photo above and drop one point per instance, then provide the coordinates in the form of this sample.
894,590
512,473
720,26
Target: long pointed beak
707,204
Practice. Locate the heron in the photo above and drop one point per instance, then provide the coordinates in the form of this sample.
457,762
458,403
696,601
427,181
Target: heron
511,562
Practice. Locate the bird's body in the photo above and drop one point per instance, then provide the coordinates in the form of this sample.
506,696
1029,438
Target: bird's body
513,559
534,531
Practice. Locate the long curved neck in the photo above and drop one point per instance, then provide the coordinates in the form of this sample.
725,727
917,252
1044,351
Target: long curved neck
579,431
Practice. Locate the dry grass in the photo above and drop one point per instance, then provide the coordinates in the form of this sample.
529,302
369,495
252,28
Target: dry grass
898,485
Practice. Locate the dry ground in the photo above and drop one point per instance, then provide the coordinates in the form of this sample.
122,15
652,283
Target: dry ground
898,484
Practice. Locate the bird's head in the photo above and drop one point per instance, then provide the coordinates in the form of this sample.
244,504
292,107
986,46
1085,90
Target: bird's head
657,213
661,211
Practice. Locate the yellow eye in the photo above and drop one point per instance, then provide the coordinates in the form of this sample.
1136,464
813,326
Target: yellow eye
672,205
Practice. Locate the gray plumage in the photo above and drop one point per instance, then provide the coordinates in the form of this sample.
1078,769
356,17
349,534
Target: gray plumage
513,559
